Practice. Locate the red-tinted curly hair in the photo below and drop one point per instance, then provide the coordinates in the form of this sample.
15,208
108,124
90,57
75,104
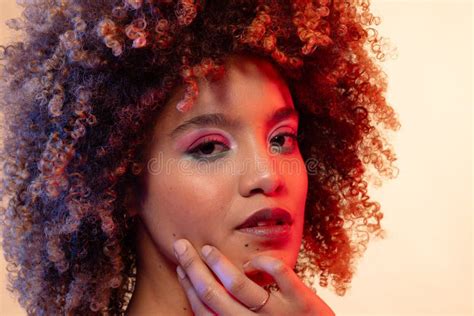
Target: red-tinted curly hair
81,92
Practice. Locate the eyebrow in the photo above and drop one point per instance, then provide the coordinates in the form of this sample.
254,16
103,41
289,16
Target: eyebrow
221,120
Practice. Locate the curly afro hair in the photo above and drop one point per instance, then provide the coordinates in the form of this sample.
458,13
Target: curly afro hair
80,93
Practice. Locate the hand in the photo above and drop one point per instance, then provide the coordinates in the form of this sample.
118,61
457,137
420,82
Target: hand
207,296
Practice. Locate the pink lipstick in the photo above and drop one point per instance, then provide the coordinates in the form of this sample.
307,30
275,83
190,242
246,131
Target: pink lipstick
270,223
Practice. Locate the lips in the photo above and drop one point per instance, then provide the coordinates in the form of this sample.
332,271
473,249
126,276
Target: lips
269,216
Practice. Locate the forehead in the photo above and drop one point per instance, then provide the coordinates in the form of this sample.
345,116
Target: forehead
249,92
251,85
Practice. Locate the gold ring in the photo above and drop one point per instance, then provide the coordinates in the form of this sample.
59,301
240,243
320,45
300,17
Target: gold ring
257,308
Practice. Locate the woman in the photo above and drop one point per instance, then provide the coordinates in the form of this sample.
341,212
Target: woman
137,129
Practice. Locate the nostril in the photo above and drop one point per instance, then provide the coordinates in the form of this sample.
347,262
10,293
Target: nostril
257,190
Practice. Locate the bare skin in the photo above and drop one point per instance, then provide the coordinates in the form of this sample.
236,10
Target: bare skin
204,206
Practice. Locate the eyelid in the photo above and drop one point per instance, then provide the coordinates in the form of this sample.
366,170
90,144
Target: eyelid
293,126
208,139
186,141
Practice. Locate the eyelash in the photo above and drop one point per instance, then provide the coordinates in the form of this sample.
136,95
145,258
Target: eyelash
193,151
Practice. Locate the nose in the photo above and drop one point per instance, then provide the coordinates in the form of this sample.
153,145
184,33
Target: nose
259,173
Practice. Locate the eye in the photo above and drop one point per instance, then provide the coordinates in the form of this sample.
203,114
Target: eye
281,140
207,147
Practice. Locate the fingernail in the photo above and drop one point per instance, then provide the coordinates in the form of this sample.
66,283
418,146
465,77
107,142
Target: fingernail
181,273
206,250
180,246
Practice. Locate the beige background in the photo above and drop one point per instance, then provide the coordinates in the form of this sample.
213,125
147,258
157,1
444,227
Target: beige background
424,266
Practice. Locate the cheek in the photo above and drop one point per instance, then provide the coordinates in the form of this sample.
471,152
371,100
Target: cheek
185,201
296,177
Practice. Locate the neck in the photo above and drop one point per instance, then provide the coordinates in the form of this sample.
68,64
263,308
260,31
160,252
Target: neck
157,289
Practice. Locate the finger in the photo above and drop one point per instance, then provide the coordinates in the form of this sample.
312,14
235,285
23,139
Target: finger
234,280
284,276
291,286
208,289
198,307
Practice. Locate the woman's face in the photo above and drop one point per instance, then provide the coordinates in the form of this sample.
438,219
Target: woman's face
203,192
